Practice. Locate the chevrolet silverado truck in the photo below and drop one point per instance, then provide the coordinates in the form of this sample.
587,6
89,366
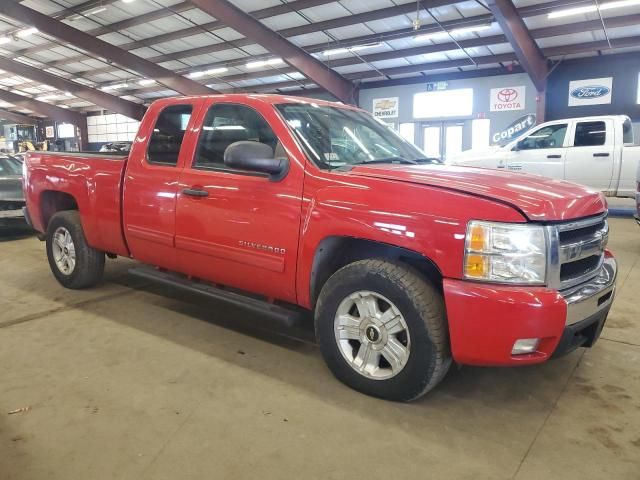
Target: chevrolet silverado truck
598,152
284,205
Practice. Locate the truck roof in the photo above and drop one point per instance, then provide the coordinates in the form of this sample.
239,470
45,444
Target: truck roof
272,99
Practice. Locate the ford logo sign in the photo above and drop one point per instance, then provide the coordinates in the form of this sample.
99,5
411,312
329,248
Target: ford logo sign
595,91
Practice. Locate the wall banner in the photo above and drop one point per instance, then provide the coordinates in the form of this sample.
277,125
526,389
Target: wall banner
386,107
594,91
507,99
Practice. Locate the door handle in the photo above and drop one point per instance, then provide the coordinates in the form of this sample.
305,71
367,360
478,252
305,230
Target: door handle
604,154
194,192
554,156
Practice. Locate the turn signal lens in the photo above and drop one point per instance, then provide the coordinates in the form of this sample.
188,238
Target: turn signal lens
477,237
477,266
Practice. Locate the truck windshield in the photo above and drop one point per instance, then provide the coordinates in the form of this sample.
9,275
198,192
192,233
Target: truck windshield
338,137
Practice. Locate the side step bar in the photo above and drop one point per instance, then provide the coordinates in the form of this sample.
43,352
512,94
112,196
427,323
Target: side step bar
290,317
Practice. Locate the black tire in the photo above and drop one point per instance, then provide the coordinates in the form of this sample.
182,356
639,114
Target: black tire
89,263
422,307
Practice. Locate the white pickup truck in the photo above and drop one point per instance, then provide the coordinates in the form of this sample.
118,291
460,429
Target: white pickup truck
598,152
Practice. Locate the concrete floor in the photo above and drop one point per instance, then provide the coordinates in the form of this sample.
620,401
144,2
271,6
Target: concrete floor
128,381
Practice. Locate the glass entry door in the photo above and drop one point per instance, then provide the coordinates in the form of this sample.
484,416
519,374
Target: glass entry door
442,139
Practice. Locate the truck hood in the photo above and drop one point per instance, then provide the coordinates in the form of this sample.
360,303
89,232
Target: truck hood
538,198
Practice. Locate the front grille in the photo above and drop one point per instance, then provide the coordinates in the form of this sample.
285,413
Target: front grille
580,250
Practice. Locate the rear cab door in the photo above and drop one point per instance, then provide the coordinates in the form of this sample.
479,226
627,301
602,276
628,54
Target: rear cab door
240,228
542,151
590,156
163,146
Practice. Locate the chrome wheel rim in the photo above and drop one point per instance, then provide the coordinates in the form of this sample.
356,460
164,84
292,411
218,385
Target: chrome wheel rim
64,251
372,335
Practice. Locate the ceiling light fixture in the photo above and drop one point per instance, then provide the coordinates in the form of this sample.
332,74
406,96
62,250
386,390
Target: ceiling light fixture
455,31
203,73
128,1
145,82
27,32
264,63
4,40
115,87
356,48
593,8
85,14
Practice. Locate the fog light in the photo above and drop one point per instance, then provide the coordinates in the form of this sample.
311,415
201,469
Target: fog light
525,345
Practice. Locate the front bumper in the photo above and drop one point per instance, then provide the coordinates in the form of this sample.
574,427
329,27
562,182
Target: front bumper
486,320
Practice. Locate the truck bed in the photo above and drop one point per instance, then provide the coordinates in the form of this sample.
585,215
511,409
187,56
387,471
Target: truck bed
93,181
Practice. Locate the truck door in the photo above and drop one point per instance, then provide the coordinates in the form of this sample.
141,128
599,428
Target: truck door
233,227
590,156
541,152
151,183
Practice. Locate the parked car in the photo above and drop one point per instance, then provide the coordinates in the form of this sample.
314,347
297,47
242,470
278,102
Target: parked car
18,156
116,147
11,195
598,152
276,203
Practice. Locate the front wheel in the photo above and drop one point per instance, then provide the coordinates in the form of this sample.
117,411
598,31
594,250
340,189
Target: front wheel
382,330
73,262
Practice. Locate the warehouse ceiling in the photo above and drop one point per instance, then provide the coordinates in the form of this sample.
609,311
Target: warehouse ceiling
362,40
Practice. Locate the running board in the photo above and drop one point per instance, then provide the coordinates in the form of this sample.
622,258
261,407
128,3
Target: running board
290,317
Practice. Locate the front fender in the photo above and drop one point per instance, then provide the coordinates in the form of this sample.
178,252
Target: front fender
427,220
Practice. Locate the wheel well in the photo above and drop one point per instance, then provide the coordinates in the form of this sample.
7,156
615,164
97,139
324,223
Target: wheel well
52,202
333,253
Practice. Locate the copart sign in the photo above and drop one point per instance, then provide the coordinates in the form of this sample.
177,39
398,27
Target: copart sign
507,99
595,91
514,130
385,107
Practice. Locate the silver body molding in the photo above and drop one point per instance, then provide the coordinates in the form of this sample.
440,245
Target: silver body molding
589,298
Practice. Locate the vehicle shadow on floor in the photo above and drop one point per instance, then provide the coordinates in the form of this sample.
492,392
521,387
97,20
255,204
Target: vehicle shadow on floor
521,388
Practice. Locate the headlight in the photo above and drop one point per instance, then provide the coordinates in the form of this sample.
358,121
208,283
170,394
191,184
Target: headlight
503,252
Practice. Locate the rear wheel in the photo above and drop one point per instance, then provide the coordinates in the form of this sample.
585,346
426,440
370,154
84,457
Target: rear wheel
73,262
382,330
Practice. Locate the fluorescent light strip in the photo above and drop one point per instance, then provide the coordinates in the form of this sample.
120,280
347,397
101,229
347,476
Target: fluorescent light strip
203,73
356,48
593,8
27,32
4,40
455,31
264,63
115,87
146,82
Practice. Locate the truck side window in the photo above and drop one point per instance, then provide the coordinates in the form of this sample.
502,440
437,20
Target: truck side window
227,123
590,134
168,133
551,136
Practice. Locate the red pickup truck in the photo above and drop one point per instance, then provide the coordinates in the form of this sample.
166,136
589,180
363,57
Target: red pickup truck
277,203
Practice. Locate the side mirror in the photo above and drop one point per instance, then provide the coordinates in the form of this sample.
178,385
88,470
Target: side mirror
255,157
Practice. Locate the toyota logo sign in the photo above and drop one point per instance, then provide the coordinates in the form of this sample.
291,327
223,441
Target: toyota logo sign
505,99
507,95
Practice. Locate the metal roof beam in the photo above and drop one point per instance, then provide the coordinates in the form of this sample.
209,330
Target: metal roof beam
403,33
305,63
185,32
17,117
526,48
98,47
99,98
42,108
